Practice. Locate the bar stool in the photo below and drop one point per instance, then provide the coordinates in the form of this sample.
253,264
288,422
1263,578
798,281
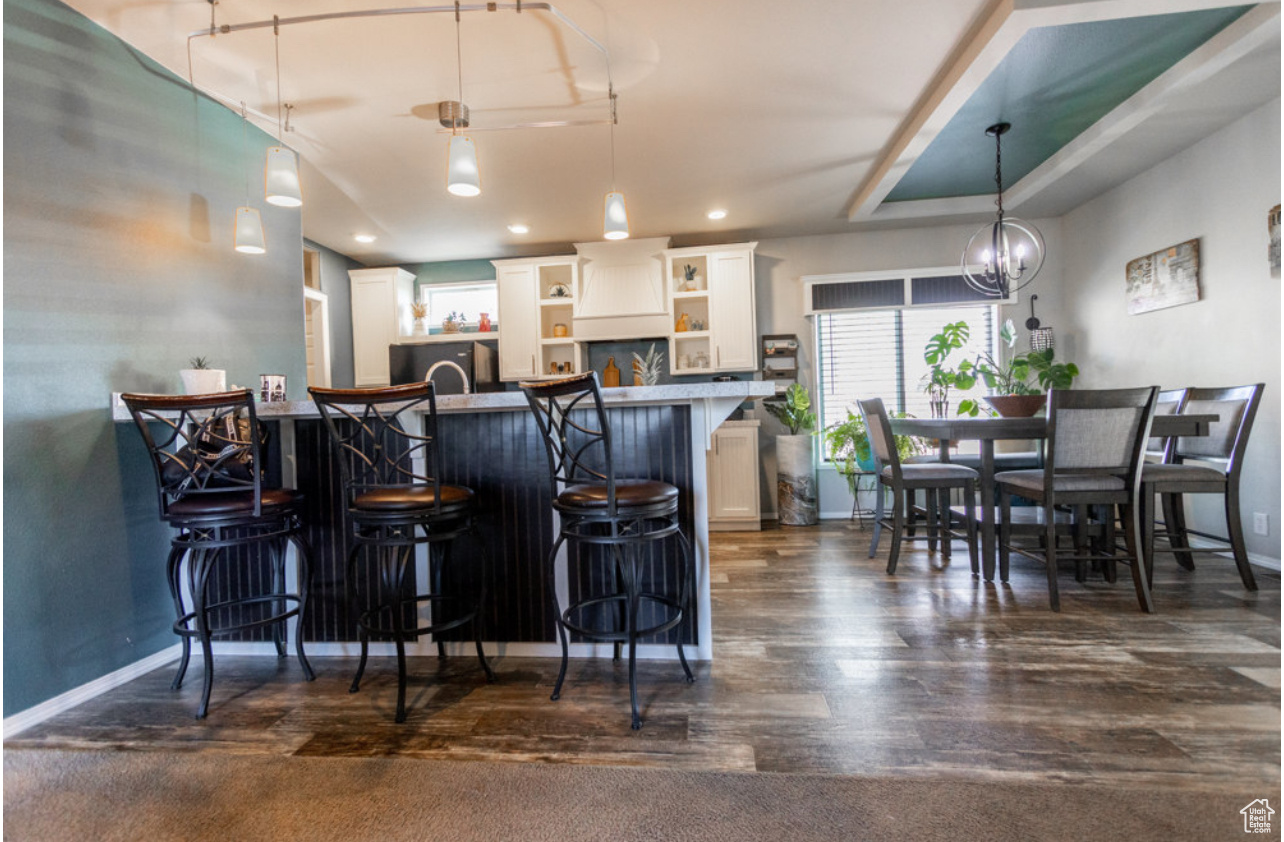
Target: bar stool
206,452
389,462
600,510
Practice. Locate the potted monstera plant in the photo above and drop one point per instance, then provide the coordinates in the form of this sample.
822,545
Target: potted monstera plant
939,379
1019,384
795,473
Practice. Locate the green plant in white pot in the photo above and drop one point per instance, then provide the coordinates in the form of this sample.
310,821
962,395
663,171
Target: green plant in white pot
795,464
200,379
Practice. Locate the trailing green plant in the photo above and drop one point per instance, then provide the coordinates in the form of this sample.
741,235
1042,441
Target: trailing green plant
794,411
199,363
1031,373
851,452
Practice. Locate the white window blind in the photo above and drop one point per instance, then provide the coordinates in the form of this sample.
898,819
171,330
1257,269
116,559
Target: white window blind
879,354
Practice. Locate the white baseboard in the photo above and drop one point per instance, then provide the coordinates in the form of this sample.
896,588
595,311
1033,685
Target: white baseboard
1253,558
23,720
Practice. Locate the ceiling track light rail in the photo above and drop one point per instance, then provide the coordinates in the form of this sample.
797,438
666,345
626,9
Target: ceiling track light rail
519,7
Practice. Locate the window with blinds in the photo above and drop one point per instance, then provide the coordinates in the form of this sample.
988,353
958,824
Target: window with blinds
864,354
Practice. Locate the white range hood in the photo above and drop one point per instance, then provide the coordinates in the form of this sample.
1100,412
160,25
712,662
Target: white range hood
622,290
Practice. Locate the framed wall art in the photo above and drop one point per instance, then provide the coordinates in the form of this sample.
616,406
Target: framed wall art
1166,278
1273,250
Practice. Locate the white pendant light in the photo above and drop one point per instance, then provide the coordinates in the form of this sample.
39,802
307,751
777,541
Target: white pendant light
281,178
616,218
249,231
463,176
281,170
248,227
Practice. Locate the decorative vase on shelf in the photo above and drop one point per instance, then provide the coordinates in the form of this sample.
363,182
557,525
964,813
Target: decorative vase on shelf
483,323
420,327
203,381
450,326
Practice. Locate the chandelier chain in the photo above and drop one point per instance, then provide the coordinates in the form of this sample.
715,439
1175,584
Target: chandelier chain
998,170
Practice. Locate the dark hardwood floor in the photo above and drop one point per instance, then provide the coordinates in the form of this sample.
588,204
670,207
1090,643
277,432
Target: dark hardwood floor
822,664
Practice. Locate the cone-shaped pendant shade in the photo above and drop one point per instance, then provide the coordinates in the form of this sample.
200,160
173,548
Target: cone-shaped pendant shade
249,231
462,176
616,224
281,178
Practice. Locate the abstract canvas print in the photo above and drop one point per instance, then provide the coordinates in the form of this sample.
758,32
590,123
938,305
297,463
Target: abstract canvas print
1166,278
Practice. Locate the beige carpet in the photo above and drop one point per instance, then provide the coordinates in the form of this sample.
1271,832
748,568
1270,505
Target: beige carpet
103,795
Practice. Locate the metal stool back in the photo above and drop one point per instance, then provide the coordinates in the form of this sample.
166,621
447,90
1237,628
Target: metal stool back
389,458
206,452
601,510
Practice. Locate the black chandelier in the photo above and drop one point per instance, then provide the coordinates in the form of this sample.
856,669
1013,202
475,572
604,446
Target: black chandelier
1005,255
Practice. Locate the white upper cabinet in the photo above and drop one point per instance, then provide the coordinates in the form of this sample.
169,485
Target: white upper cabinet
536,306
380,316
713,317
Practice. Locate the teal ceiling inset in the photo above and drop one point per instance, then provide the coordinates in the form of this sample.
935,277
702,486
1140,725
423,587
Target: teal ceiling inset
1056,82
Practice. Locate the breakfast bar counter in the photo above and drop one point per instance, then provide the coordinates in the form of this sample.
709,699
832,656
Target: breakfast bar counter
490,444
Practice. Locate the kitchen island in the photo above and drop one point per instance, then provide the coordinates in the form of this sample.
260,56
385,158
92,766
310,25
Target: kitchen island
490,444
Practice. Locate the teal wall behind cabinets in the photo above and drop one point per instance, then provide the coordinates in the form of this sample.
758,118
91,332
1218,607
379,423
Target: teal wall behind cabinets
120,188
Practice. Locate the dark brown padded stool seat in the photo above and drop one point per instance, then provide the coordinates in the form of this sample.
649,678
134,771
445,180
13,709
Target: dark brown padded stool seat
621,518
207,454
629,493
389,457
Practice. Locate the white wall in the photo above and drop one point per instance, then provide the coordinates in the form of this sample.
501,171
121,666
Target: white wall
1218,190
781,263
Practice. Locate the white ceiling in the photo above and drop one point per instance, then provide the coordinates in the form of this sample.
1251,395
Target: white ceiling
780,112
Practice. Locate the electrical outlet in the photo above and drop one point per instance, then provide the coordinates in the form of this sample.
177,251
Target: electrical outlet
1261,523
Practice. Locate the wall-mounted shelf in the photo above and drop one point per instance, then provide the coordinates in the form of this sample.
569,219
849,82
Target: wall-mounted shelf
780,360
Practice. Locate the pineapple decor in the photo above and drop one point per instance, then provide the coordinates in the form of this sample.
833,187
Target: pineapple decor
648,368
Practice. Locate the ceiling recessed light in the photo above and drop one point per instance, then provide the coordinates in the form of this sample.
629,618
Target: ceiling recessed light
717,214
364,238
519,229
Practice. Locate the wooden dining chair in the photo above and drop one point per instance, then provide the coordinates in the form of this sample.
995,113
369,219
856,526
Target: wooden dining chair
1208,464
1093,457
937,479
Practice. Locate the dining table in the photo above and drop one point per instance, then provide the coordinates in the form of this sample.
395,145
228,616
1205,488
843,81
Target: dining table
986,431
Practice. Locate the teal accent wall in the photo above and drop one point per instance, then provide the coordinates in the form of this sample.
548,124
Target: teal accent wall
120,188
1056,82
338,289
451,272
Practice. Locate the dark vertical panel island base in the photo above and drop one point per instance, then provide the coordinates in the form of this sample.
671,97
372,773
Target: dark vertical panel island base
491,445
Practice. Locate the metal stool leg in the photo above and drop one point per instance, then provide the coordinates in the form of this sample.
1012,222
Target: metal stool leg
557,615
173,569
304,553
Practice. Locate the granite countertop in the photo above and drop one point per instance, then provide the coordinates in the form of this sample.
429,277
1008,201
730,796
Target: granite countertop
677,393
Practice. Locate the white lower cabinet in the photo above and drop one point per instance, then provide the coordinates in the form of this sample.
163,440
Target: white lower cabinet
733,477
